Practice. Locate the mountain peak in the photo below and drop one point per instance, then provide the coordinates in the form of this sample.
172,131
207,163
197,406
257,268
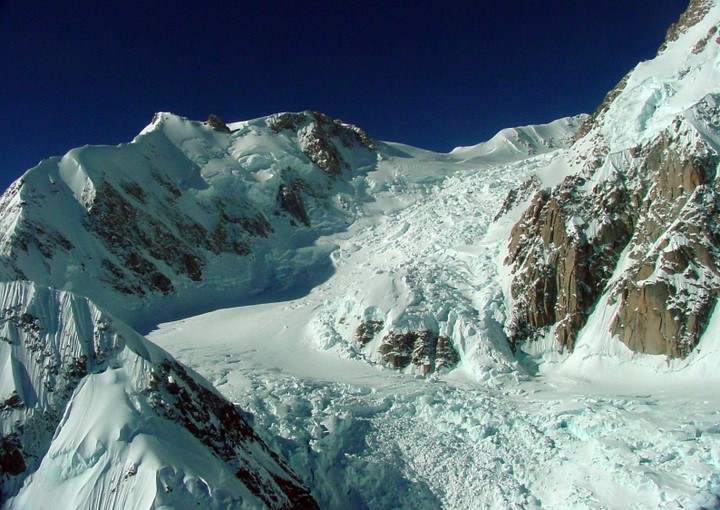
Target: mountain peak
655,92
180,206
521,142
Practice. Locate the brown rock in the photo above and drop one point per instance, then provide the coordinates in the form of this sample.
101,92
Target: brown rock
646,323
217,124
320,142
664,206
367,330
424,349
291,200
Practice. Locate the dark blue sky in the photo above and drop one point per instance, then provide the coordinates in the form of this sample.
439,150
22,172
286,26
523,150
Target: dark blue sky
430,74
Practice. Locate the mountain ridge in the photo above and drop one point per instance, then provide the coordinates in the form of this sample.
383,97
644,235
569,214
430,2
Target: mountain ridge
652,145
179,221
85,397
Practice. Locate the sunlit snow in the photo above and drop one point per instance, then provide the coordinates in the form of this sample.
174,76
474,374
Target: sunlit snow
411,240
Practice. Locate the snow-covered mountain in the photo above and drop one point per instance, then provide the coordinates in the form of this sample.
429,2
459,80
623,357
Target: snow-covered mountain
95,416
619,241
190,216
193,216
187,213
391,308
514,144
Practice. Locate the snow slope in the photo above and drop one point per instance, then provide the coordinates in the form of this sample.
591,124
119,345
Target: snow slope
185,214
366,437
513,144
93,416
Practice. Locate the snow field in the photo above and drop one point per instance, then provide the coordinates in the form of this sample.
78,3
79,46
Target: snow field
423,252
487,435
366,437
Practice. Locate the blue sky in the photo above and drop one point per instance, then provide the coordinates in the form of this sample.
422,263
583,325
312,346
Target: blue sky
431,74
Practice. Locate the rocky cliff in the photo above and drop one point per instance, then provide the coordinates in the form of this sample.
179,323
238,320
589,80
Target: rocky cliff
634,218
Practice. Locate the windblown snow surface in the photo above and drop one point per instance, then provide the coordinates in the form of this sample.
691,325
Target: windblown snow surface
491,434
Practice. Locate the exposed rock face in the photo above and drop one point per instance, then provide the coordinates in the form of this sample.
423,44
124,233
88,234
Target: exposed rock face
695,12
560,270
217,124
367,330
659,203
140,242
12,462
424,349
446,357
318,136
214,421
667,294
291,200
53,373
635,220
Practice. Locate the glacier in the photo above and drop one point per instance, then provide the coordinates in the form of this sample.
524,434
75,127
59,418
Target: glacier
359,303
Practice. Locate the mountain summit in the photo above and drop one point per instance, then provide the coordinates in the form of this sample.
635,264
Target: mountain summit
186,212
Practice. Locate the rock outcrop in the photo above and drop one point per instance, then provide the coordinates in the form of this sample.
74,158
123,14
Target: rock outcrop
291,201
426,350
696,11
217,123
319,136
560,270
367,330
658,202
636,218
667,293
